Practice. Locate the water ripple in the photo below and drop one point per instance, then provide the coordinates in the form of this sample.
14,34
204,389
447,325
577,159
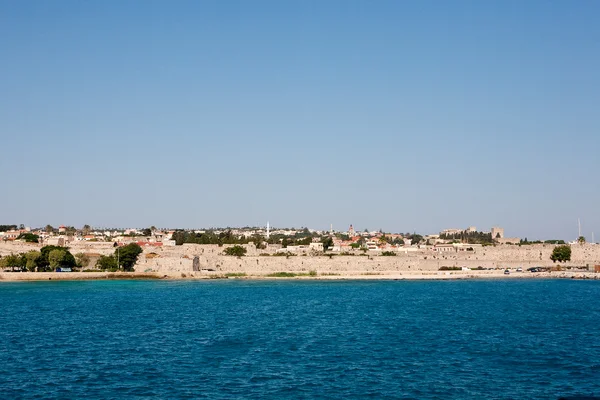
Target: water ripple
300,340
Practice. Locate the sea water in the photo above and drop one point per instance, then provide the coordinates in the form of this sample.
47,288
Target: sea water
505,339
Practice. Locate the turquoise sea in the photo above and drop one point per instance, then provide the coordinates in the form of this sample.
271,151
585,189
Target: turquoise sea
505,339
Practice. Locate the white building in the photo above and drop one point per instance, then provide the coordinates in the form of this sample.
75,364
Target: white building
317,246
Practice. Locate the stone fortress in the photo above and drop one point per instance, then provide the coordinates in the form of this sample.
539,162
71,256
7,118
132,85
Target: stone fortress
210,259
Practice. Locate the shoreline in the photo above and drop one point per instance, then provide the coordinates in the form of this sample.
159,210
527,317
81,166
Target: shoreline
455,275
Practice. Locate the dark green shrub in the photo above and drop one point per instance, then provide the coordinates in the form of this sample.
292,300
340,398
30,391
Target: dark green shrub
237,251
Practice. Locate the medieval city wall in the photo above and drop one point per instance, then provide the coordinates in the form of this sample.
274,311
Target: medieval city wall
212,260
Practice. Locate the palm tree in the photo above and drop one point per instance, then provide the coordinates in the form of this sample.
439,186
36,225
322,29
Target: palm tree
581,240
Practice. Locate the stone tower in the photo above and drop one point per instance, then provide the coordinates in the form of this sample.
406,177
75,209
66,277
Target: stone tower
497,233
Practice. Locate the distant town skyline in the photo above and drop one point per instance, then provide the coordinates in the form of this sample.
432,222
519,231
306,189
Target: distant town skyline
401,116
589,235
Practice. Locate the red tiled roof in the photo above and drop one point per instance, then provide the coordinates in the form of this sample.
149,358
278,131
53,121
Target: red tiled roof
150,243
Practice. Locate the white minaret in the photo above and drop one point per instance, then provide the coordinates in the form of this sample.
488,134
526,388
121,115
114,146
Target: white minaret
268,232
579,223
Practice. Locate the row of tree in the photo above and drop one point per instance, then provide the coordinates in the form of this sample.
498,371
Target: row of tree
469,237
49,258
211,237
554,241
303,237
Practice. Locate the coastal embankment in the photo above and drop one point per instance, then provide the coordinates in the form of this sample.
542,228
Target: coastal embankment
441,275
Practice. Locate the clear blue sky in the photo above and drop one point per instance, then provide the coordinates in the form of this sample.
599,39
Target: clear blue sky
399,115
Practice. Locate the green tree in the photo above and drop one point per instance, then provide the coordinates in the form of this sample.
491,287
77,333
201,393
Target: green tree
127,256
147,232
561,253
304,242
86,229
29,237
82,259
554,241
259,242
398,242
327,243
44,261
106,262
49,229
416,238
56,258
227,237
13,261
581,240
470,237
32,258
237,251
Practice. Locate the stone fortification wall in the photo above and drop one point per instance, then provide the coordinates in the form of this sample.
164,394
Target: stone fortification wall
17,247
538,252
102,248
180,258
